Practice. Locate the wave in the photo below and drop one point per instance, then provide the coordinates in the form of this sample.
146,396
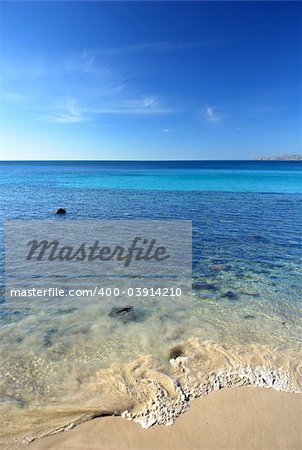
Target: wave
151,391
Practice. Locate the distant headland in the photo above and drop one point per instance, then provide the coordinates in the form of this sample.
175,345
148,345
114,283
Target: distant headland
284,157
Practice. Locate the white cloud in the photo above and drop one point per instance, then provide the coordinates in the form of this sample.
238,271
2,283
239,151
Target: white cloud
159,46
144,106
93,90
166,130
149,102
69,112
211,114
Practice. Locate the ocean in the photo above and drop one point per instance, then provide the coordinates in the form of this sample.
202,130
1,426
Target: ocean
241,325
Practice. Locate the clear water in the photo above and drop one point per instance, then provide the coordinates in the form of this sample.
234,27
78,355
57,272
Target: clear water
247,225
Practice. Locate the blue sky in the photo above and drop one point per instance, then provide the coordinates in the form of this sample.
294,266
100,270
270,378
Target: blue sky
149,80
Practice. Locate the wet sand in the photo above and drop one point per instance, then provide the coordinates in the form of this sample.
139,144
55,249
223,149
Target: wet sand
234,418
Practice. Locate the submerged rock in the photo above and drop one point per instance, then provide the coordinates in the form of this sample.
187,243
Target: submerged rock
116,310
249,316
229,294
49,336
127,314
176,352
200,286
261,239
61,211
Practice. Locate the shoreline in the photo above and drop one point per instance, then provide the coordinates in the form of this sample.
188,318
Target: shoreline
243,418
151,392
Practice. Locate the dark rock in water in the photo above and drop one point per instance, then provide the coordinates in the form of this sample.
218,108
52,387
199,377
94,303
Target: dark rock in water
20,402
229,294
249,316
61,211
127,314
261,239
200,286
116,310
48,337
176,352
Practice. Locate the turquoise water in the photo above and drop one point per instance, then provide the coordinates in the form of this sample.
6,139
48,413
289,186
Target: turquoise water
247,222
225,176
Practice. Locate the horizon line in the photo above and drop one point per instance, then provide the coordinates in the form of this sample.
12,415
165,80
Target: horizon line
259,159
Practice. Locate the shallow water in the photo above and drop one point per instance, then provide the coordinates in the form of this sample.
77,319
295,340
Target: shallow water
72,362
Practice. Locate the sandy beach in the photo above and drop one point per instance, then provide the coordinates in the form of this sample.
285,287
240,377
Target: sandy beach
241,418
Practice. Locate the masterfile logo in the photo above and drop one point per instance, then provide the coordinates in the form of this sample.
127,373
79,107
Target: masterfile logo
50,256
